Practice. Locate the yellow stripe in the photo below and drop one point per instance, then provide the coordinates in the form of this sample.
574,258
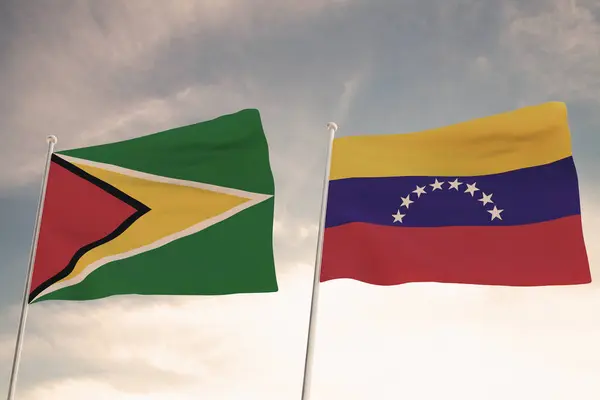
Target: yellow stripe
173,208
523,138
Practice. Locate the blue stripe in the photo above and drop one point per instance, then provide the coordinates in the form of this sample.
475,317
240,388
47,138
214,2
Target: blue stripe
527,195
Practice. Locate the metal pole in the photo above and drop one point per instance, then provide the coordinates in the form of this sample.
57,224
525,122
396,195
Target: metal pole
52,140
332,127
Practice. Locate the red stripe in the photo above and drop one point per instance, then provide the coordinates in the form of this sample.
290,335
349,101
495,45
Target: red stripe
546,253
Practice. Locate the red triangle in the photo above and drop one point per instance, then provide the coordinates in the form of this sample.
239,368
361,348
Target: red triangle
80,213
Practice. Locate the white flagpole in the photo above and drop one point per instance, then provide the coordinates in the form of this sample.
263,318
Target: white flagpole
52,140
332,127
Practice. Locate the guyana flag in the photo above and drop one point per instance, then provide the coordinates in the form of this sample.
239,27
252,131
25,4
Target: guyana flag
187,211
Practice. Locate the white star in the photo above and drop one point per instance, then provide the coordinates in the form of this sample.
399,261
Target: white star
398,216
419,191
495,213
471,189
406,201
486,198
436,185
454,184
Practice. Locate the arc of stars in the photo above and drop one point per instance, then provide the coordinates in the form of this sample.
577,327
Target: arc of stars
453,185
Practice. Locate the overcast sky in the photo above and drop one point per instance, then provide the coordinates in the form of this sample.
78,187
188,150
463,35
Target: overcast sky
97,71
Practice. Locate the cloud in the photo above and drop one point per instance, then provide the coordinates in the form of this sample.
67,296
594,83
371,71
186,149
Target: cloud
131,347
351,90
88,71
93,390
557,45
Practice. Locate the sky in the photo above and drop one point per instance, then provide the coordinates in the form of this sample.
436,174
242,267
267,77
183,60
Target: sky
91,72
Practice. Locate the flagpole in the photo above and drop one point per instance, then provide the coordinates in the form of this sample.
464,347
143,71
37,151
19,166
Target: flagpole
306,381
52,140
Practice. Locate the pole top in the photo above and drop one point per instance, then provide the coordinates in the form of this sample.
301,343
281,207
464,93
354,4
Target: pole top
332,126
51,139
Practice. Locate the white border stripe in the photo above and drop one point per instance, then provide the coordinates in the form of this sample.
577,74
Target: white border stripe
253,199
164,179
